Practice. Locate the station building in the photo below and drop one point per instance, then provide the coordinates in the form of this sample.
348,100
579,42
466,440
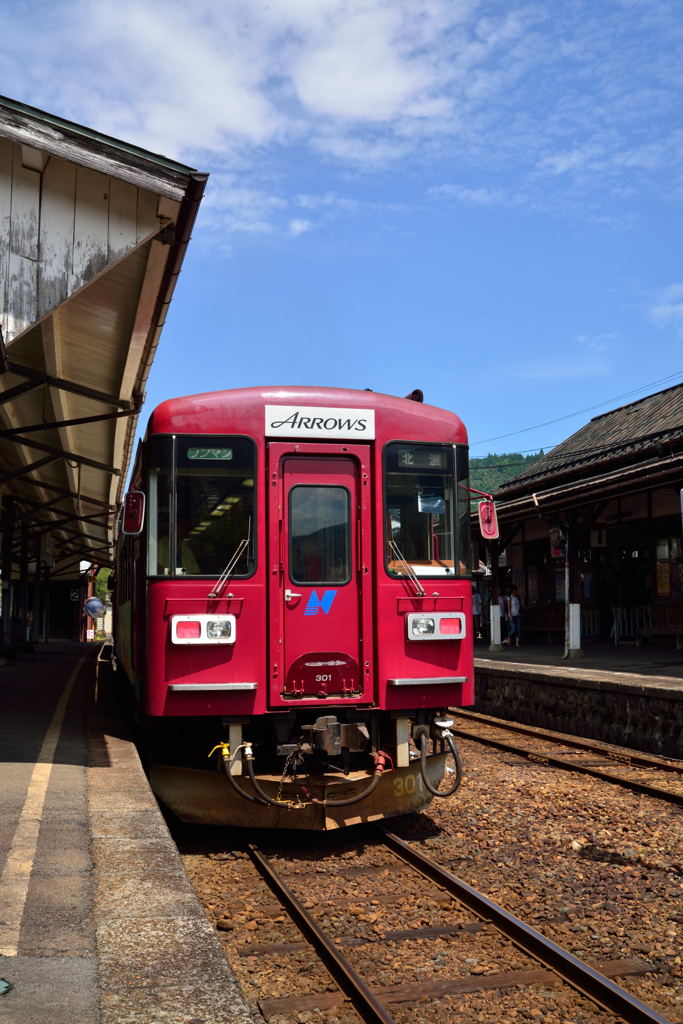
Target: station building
591,533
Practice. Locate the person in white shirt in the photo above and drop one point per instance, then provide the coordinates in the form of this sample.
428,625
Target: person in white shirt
515,617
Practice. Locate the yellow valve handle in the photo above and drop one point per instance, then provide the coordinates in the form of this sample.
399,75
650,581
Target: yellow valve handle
224,749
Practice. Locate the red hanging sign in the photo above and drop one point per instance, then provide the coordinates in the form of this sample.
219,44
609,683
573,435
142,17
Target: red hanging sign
488,520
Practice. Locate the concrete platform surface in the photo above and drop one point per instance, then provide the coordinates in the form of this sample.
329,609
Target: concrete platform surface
657,663
99,923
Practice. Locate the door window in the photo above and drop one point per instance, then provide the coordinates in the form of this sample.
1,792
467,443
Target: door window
319,534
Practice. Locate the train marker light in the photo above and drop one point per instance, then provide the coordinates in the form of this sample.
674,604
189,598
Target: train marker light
420,627
203,629
133,513
449,626
188,630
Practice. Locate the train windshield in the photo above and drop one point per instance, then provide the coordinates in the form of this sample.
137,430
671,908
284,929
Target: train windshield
426,516
212,479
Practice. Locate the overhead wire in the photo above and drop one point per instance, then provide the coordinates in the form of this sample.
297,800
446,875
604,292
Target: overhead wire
576,452
588,408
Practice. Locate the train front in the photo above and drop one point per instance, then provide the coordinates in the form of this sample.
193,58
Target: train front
307,611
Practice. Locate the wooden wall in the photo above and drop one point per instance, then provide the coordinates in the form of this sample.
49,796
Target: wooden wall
61,225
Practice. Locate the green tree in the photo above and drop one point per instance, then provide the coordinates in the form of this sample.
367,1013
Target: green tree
101,581
492,471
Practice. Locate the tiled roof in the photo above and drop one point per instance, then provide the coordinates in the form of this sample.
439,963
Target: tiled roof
624,436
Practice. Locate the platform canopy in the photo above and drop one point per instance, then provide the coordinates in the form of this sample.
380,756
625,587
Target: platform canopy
93,233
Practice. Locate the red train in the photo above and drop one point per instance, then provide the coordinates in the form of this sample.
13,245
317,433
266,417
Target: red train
293,593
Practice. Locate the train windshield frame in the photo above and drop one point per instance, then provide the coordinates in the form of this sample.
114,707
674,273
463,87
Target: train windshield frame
202,505
426,510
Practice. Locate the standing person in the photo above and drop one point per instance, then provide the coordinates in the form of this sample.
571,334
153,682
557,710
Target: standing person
476,613
504,605
515,617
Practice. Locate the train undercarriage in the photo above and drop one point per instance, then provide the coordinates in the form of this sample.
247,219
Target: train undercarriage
302,770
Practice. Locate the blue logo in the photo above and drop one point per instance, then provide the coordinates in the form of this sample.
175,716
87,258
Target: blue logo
315,603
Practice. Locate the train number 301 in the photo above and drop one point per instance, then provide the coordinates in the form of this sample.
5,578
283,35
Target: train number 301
408,785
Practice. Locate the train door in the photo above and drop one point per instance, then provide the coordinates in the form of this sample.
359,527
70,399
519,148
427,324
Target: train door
321,625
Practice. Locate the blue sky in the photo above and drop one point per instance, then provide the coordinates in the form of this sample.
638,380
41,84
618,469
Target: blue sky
480,199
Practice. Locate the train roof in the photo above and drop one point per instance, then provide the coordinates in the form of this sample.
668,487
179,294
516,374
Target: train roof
242,410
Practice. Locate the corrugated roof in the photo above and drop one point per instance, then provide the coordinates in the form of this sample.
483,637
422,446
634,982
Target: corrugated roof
621,437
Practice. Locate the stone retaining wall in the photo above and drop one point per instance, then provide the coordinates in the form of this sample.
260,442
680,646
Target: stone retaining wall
643,714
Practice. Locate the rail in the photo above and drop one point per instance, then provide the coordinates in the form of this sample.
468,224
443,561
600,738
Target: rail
349,981
582,977
633,758
575,972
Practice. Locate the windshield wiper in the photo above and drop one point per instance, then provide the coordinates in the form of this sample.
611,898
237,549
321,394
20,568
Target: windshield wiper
419,589
232,564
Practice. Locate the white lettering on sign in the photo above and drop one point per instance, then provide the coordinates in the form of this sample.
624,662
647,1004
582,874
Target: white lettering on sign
319,421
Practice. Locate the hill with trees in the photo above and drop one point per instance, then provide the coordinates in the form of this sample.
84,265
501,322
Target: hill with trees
492,471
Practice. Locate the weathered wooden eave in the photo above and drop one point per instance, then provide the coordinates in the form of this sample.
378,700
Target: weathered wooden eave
52,135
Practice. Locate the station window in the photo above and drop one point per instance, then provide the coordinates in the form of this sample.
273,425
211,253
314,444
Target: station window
319,534
669,568
426,525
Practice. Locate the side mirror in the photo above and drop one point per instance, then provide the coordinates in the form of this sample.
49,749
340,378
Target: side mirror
94,608
488,520
133,513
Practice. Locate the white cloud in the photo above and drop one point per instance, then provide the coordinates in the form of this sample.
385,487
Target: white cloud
558,103
557,366
668,308
327,200
357,72
299,226
571,160
231,205
469,196
597,343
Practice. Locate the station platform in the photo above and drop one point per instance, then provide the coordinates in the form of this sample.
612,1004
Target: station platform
626,695
659,659
98,921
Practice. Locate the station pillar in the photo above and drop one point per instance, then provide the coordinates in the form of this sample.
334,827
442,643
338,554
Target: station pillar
8,517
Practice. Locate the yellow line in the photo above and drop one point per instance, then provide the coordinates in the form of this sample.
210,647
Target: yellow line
16,873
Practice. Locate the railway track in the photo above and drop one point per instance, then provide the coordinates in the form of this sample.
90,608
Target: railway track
526,959
642,773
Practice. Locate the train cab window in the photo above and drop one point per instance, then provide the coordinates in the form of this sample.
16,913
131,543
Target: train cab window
201,505
319,534
422,517
214,507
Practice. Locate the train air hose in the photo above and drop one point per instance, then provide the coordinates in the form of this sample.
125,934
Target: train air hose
262,797
227,766
447,736
380,763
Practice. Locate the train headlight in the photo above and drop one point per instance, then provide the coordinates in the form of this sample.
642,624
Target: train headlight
437,626
203,629
218,629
